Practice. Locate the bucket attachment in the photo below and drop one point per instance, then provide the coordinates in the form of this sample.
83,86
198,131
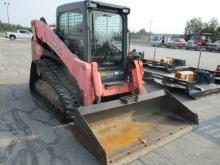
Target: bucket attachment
204,84
169,65
120,131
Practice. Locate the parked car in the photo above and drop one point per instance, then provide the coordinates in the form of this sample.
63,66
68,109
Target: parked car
214,46
156,41
21,34
196,41
178,43
168,43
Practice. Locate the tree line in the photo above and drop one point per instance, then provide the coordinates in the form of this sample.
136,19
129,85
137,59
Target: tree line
141,34
197,26
193,26
4,27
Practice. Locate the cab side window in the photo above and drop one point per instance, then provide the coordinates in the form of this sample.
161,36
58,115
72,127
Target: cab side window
22,31
70,26
71,22
63,23
75,23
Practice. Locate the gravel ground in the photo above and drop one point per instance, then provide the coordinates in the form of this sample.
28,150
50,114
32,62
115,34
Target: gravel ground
30,135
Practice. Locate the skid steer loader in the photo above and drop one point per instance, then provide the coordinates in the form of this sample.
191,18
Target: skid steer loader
84,70
168,64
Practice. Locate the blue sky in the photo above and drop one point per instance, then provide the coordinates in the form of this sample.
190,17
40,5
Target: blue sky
169,16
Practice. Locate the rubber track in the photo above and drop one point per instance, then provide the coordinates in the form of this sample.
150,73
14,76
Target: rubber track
69,95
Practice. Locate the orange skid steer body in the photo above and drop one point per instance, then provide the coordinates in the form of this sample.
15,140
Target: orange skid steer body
86,74
115,120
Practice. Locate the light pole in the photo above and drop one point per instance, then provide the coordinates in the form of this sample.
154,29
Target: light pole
151,21
7,5
200,55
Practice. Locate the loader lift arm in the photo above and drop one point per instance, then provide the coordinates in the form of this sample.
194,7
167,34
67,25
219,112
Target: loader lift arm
44,34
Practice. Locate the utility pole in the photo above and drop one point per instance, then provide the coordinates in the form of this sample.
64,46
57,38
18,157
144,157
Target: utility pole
200,55
151,21
7,6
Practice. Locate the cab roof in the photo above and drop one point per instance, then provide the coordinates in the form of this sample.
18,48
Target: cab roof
84,4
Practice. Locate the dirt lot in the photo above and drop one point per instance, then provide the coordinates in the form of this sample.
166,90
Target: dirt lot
30,135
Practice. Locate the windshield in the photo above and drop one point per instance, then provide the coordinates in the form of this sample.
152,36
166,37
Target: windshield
106,47
195,37
198,37
155,38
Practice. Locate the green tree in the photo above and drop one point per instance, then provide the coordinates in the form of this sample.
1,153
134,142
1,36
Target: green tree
218,34
213,24
4,27
193,26
213,27
196,26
